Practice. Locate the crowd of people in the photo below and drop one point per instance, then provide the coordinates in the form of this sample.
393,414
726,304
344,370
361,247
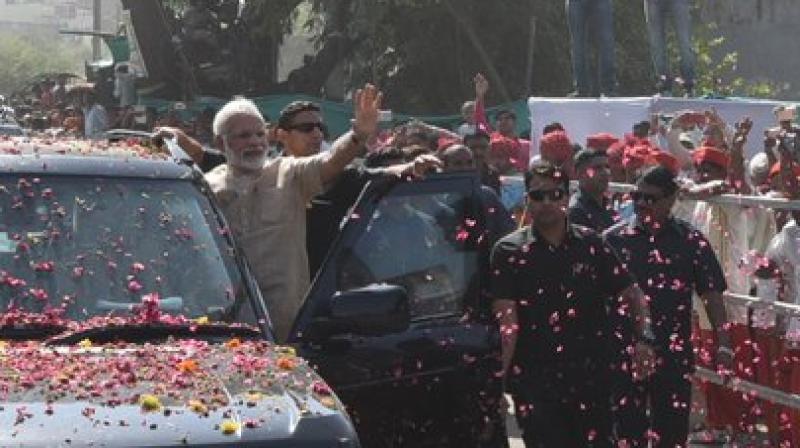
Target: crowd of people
76,110
605,300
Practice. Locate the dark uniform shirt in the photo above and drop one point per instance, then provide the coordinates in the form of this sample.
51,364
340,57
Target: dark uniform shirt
669,266
585,211
326,212
562,293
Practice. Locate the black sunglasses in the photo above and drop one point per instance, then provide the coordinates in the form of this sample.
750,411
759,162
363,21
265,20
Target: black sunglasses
647,198
307,128
556,194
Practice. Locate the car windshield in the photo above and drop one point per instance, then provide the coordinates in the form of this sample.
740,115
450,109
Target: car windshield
83,247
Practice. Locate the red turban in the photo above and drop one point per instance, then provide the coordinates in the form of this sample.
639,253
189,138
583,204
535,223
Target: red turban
616,150
711,155
555,147
635,157
666,160
601,141
503,146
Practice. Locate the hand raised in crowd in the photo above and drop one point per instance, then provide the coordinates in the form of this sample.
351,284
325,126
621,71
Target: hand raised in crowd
687,120
743,129
713,118
367,105
481,85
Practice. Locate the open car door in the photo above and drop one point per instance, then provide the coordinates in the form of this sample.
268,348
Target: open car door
395,321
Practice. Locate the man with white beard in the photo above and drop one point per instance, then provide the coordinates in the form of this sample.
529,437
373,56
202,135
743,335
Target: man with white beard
265,201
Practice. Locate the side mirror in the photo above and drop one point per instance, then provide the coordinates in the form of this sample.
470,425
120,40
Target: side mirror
373,310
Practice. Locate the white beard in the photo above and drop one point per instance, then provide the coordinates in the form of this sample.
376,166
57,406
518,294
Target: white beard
247,160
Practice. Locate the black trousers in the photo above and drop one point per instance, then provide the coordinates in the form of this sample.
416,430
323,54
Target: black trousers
564,407
668,396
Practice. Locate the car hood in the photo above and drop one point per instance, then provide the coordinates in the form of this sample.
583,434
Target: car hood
176,393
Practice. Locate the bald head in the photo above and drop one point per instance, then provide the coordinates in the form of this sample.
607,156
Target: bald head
457,158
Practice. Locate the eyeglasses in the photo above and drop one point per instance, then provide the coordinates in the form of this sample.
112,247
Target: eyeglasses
553,195
307,128
647,198
247,135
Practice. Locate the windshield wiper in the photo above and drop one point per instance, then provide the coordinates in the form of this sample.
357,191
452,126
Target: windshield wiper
141,332
30,331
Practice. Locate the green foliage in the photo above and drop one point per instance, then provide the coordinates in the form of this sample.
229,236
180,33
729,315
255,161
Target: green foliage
717,69
25,57
424,53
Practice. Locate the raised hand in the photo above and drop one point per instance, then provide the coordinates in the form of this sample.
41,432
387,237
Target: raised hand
743,129
481,85
367,105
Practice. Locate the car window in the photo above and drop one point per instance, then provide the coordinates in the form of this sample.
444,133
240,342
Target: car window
420,242
94,246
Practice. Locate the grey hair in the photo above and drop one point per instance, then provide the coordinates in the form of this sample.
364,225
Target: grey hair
236,107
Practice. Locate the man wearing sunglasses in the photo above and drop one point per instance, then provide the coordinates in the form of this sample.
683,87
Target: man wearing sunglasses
670,260
590,206
265,199
554,285
301,131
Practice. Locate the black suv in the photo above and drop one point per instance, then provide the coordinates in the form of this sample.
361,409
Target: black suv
129,316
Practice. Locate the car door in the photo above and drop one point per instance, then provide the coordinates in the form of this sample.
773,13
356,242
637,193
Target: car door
428,384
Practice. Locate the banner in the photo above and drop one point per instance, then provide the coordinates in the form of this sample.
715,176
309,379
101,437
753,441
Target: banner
582,117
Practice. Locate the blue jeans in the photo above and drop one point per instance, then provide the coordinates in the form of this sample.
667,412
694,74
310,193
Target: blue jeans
656,12
597,16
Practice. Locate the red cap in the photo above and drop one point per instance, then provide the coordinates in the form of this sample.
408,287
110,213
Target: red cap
711,155
601,141
555,147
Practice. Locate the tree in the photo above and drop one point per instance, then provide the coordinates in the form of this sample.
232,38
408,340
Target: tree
424,53
717,69
25,57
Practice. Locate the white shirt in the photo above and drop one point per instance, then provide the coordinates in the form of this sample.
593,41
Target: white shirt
784,250
733,232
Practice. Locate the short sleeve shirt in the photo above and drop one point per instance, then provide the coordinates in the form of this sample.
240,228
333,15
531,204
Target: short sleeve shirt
668,267
269,220
562,294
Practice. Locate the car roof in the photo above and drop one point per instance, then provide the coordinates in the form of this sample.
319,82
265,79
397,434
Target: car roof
20,155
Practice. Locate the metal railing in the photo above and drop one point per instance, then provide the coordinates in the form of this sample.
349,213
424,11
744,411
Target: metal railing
725,199
737,384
